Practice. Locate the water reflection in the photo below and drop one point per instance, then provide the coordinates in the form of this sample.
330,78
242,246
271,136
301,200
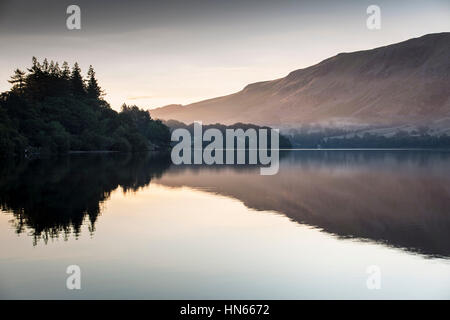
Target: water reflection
398,198
53,197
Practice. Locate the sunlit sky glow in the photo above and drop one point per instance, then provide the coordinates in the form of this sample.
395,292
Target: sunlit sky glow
153,53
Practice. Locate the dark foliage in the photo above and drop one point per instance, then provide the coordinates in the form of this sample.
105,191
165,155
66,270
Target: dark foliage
339,138
53,110
284,142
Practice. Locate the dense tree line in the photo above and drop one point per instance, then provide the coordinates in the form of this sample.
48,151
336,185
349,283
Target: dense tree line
52,109
339,138
401,139
284,142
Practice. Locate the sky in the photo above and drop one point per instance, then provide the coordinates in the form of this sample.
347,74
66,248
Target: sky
154,53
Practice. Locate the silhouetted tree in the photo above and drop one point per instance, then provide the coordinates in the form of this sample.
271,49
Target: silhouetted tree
45,66
93,90
33,80
76,80
18,80
65,73
49,110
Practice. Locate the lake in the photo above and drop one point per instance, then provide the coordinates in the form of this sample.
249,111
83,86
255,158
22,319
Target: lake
141,228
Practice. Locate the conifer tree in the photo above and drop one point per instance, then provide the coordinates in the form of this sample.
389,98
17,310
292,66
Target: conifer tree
65,73
18,80
36,69
76,81
33,84
93,90
45,65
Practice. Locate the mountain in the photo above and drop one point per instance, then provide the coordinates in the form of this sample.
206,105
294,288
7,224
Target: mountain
407,83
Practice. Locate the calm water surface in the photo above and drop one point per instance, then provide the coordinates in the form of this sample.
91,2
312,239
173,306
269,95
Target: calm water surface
139,227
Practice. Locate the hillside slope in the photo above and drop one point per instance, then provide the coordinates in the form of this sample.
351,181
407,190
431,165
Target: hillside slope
403,83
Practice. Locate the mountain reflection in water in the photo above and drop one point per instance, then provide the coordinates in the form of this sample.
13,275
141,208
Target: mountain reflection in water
398,198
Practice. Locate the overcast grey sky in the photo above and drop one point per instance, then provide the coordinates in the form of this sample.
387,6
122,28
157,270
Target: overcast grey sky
153,53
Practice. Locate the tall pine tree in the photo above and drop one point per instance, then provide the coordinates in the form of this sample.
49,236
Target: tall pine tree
65,73
93,90
76,81
18,80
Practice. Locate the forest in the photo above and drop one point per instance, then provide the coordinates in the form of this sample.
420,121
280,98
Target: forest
284,142
53,109
329,138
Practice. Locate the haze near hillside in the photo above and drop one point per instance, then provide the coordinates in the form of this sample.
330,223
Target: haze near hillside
404,83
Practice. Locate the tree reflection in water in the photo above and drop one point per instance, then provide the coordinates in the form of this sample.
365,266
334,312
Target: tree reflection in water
54,196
